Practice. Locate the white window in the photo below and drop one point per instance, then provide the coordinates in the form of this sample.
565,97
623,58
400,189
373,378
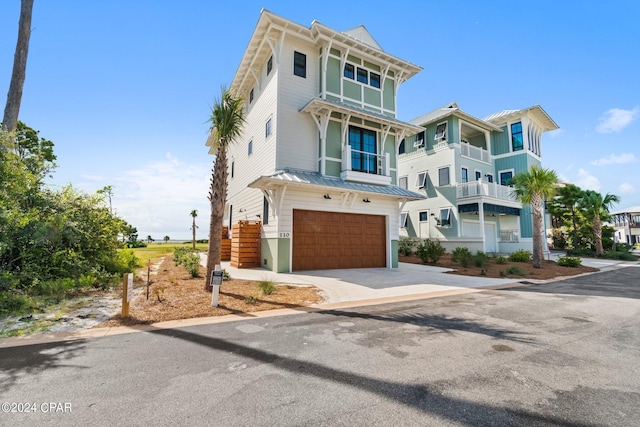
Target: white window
421,180
441,131
403,182
445,217
419,142
403,219
443,176
267,128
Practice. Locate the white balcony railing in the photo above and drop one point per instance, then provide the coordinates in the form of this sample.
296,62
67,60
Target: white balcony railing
481,188
474,152
365,167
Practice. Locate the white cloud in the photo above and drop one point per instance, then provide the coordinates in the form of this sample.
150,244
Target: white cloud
556,133
158,197
626,188
612,159
586,181
616,119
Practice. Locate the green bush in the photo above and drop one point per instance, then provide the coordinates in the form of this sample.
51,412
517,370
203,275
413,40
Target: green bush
462,256
623,256
501,260
192,263
406,246
569,261
520,256
430,251
266,287
480,259
15,303
515,270
180,254
125,262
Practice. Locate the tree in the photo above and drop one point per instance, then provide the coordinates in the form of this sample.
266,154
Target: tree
597,209
227,118
532,188
194,214
150,239
107,190
568,200
166,239
14,96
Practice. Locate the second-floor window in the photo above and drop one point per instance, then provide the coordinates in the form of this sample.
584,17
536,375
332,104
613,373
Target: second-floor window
421,180
516,137
505,177
478,175
363,150
443,176
349,71
363,75
299,64
465,175
403,182
267,129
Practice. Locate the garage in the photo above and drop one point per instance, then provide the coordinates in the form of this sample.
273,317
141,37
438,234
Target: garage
332,240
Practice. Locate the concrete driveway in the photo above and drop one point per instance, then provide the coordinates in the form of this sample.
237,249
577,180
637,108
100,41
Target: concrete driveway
361,284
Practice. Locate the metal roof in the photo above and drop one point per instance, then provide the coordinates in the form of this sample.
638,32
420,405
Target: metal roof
536,111
631,209
453,109
314,179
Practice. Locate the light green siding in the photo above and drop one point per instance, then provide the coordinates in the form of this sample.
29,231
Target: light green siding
526,222
372,96
517,162
394,254
276,252
352,90
334,76
371,66
500,142
333,168
334,146
389,94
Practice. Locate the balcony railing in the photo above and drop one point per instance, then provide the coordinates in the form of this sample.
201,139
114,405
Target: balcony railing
481,188
365,167
474,152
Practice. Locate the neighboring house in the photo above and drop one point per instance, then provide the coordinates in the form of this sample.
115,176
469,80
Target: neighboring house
627,225
462,165
316,163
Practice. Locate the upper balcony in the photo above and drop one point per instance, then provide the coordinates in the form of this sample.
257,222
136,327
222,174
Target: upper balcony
481,188
365,167
473,152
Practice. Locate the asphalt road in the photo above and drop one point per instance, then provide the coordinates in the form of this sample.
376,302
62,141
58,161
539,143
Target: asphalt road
565,353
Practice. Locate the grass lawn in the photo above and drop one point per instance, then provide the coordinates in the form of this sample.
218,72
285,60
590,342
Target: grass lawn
157,250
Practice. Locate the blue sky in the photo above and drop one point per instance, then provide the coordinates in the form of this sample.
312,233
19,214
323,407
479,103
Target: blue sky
124,88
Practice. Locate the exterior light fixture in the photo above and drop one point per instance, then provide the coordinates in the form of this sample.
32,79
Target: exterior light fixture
366,200
327,197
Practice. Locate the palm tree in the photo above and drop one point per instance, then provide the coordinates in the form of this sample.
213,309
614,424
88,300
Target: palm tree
227,118
194,214
532,188
14,97
597,209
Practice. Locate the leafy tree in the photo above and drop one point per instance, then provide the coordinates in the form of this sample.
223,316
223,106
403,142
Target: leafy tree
567,203
14,96
532,188
166,239
597,210
194,214
108,192
150,239
227,118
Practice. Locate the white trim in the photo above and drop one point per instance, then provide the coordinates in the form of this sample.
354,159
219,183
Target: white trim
442,136
500,172
418,184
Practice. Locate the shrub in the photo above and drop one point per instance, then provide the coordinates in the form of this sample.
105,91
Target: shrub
480,259
569,261
430,251
515,270
623,256
406,245
266,287
192,263
125,262
520,256
461,256
179,254
251,300
501,260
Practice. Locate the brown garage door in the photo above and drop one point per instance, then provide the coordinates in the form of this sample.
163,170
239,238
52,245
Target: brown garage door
330,240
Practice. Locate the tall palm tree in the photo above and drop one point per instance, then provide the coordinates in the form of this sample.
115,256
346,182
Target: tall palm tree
597,208
227,118
14,96
532,188
194,214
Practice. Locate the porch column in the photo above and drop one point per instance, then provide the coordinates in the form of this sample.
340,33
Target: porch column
481,215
